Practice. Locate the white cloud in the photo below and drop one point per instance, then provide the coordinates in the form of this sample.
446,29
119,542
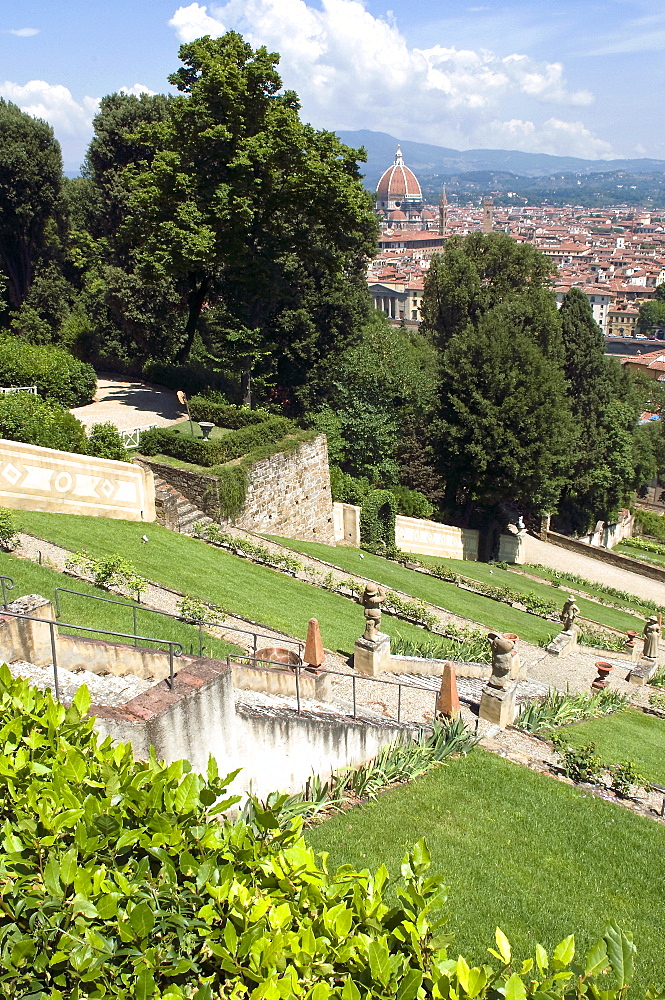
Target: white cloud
24,32
354,70
553,136
137,89
53,102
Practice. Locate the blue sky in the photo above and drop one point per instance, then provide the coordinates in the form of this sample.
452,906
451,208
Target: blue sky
575,77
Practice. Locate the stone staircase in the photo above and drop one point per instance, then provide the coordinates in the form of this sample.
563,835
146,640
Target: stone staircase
175,511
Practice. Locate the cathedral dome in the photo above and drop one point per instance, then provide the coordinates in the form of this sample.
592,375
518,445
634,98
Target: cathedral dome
398,186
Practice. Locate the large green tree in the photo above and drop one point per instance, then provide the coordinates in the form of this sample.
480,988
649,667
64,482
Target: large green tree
30,189
253,211
476,273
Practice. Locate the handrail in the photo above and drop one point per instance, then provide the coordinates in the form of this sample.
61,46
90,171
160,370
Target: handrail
167,614
6,583
354,677
175,648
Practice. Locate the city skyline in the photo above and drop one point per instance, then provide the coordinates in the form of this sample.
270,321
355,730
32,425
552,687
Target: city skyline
578,80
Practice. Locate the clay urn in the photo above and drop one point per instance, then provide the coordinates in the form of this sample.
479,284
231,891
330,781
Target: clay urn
601,681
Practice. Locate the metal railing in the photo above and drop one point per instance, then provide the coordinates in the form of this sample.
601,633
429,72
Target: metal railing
130,436
201,626
6,583
175,648
268,665
19,388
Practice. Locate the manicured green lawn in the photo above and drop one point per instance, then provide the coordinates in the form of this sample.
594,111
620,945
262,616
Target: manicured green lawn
33,579
628,735
518,850
650,557
200,570
461,602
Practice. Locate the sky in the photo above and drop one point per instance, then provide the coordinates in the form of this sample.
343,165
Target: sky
576,77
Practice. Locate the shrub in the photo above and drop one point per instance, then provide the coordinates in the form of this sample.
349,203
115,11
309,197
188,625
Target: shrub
33,420
8,529
215,408
232,491
581,763
346,488
112,572
590,635
542,715
123,878
191,378
196,451
623,776
645,545
57,375
412,503
104,441
648,522
377,518
200,612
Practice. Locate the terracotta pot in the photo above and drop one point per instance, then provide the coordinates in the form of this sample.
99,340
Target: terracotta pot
604,669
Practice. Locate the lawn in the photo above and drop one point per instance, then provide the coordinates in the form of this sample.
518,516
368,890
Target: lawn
33,579
628,735
461,602
626,549
200,570
588,586
518,850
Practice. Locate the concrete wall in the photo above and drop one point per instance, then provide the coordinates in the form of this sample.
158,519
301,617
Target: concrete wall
428,538
287,495
434,668
608,535
283,682
34,478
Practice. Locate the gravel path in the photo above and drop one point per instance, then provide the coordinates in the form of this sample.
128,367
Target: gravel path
130,404
547,554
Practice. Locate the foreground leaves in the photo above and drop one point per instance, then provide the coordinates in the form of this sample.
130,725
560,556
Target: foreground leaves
121,879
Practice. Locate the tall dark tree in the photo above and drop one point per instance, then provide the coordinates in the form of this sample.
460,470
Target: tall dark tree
505,427
30,187
476,273
250,207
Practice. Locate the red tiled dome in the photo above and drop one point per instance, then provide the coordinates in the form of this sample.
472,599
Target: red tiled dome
398,182
397,216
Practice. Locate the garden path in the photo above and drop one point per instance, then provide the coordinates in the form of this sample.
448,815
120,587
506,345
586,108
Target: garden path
555,557
130,403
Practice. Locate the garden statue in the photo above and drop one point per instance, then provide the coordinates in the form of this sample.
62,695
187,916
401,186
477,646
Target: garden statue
568,614
371,599
651,635
503,659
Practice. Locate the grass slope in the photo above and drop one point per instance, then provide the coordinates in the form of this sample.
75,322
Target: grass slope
628,735
626,549
461,602
518,850
33,579
200,570
589,587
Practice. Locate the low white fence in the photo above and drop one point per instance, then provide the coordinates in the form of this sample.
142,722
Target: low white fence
130,436
19,388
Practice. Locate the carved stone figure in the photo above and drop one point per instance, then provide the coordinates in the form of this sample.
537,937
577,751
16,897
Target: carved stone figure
569,613
371,600
502,659
651,635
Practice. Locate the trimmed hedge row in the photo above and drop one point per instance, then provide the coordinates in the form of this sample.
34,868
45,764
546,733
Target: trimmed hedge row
377,519
215,408
208,453
57,375
33,420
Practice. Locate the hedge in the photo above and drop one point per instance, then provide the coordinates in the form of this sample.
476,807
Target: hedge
219,411
377,519
123,879
196,451
351,489
57,375
33,420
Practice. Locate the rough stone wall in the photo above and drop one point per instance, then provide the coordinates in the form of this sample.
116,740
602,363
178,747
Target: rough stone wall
201,490
290,495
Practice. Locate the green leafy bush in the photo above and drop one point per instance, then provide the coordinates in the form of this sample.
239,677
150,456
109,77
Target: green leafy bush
122,879
648,522
195,610
346,488
624,776
412,503
33,420
112,572
191,378
57,375
105,441
8,529
232,489
581,763
214,407
644,545
377,518
600,638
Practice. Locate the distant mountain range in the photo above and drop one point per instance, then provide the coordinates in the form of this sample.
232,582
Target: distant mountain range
429,161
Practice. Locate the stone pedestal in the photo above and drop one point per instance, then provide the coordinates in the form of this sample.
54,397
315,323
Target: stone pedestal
643,671
498,705
564,643
372,656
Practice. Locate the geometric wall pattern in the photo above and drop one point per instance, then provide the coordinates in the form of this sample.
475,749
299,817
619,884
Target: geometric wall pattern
34,478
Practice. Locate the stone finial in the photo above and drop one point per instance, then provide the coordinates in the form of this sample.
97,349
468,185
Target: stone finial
448,701
314,654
